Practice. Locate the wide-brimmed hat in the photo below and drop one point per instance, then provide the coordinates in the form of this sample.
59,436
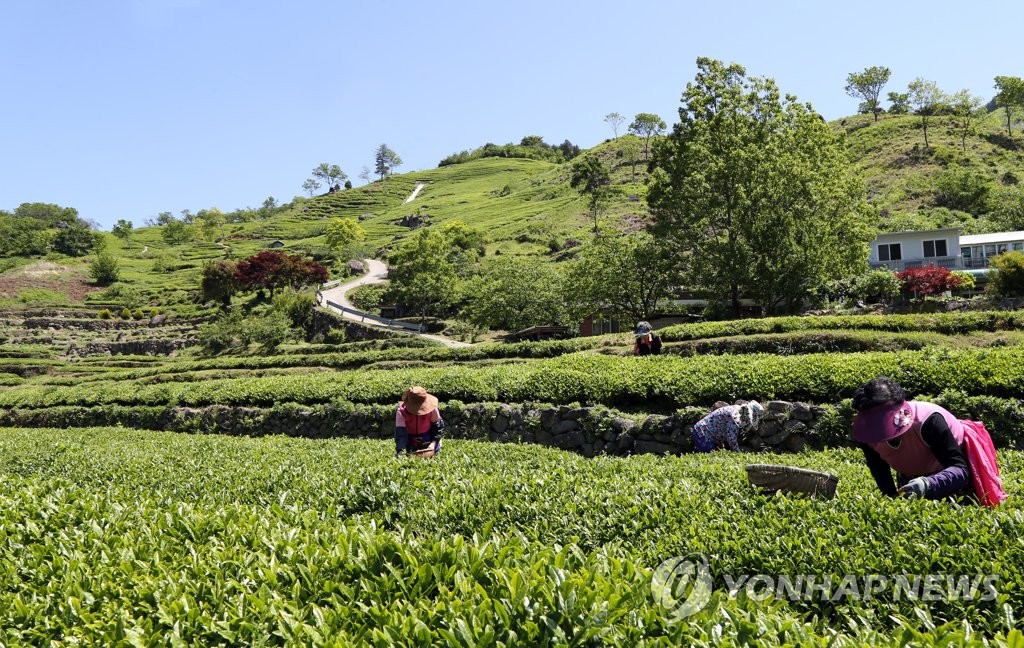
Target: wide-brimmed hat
417,401
643,328
882,422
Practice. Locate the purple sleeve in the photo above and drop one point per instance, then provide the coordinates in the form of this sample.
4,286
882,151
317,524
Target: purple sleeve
947,481
955,476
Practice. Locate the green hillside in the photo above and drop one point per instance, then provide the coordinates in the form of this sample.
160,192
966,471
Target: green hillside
522,206
972,183
527,207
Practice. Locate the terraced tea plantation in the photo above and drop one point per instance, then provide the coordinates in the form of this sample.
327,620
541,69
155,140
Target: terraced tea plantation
135,535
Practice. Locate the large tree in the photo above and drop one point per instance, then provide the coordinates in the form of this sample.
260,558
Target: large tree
48,214
514,293
624,275
272,270
385,160
1010,98
756,190
614,120
423,274
23,236
219,281
310,186
966,109
647,125
630,149
592,177
74,241
927,100
867,85
123,230
329,173
343,232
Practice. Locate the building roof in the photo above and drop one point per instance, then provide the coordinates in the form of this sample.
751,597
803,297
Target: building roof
995,237
920,232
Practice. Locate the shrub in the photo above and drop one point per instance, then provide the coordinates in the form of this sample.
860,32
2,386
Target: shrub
963,189
368,298
104,270
297,307
929,280
126,313
877,286
966,279
104,313
138,314
336,336
123,295
269,331
1006,276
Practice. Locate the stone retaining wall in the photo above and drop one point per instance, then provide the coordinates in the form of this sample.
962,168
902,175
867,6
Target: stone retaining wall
588,431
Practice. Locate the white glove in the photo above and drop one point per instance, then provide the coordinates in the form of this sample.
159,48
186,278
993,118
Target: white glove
916,487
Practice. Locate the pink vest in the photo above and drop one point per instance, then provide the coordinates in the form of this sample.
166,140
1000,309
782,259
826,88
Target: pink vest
415,424
913,457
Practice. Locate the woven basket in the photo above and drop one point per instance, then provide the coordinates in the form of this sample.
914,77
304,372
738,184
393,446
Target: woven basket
786,478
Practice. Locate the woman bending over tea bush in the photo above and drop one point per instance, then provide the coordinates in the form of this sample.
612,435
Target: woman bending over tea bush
934,454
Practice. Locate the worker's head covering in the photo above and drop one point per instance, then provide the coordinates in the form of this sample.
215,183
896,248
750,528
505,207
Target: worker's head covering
748,414
417,401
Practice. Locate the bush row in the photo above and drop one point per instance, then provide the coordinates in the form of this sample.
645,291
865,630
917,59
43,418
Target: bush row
119,537
829,426
948,323
654,383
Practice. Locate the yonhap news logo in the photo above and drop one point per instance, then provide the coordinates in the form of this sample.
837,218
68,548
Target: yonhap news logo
683,586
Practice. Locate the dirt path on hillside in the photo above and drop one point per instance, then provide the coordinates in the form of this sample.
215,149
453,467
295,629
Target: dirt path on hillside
415,192
376,273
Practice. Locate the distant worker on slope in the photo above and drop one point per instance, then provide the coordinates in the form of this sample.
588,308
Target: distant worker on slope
935,455
418,424
647,341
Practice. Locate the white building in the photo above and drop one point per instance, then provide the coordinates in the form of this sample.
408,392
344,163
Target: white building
941,247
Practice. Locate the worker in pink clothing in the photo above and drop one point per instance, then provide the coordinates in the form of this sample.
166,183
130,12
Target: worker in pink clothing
418,424
934,454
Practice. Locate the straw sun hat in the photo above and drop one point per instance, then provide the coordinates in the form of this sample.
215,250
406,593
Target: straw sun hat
417,401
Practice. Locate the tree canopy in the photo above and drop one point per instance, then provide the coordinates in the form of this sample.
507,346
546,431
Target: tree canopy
343,232
1010,98
272,270
647,125
515,293
755,189
867,85
627,275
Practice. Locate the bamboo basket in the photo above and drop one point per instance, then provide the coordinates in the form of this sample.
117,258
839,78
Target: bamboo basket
771,479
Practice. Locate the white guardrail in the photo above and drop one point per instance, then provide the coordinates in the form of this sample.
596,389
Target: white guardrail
373,318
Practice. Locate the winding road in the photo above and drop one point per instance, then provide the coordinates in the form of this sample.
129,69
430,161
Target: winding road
377,272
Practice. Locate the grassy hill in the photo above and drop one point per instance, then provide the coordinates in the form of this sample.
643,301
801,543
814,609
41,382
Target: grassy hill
917,188
527,207
523,206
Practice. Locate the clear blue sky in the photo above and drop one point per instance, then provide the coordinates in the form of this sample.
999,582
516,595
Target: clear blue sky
126,108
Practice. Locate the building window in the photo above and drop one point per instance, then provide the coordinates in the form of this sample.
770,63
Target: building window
1018,246
889,252
990,250
935,248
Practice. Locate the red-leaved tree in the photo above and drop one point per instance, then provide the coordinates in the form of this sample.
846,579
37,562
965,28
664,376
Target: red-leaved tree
273,270
928,280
